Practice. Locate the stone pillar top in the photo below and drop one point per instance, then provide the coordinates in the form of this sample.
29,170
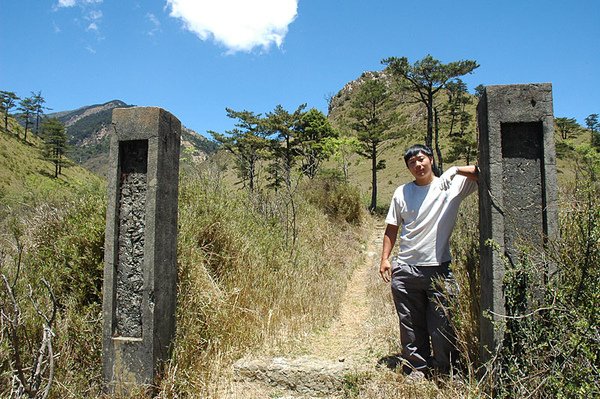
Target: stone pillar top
141,123
520,102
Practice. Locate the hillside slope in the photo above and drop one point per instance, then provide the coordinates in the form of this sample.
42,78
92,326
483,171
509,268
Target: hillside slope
412,121
24,175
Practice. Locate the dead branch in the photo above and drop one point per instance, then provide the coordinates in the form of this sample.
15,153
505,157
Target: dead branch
43,363
13,324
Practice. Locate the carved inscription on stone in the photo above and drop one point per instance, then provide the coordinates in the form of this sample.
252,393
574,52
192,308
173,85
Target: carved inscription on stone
132,219
523,179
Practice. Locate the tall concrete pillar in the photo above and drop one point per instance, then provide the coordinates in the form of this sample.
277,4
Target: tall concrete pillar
517,189
140,271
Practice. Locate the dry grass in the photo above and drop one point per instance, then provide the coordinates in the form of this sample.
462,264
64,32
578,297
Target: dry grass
243,286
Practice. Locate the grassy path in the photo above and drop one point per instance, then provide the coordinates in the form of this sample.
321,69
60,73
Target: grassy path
350,346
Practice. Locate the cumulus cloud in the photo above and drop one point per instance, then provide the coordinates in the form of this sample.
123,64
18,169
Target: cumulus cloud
239,25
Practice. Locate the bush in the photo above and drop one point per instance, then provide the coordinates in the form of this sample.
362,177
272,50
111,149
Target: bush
551,346
338,200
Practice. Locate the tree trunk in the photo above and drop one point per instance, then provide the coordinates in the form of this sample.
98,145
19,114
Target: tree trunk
373,177
429,104
26,127
345,169
440,164
251,176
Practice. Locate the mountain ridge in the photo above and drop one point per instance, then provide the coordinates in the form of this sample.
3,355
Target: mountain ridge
88,135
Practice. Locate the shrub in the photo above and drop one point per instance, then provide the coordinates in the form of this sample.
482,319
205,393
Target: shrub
551,346
338,200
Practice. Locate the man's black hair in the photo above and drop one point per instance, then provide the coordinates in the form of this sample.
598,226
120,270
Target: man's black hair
415,150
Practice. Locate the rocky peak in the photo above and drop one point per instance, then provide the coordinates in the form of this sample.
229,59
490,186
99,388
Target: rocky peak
346,92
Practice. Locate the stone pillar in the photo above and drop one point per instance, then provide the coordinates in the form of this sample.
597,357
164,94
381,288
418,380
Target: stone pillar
140,255
517,189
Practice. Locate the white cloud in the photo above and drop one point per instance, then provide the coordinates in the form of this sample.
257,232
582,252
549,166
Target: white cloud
155,23
72,3
66,3
88,11
239,25
152,18
94,15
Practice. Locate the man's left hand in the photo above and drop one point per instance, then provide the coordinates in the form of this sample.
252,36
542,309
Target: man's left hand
446,178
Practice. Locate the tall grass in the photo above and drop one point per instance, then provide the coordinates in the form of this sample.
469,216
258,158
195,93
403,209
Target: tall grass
60,240
242,286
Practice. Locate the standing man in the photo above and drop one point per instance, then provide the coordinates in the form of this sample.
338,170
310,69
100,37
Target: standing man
424,211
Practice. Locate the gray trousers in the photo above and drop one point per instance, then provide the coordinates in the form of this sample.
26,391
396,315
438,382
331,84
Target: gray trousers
424,325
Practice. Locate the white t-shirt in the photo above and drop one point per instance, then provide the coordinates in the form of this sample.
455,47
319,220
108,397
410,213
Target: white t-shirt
427,215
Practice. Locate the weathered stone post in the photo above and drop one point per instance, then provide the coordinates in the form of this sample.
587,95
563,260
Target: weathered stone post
517,188
140,255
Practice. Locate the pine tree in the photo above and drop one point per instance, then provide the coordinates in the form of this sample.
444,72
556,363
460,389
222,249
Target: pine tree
313,130
591,122
283,127
38,108
371,124
27,108
8,100
55,144
566,126
426,78
246,142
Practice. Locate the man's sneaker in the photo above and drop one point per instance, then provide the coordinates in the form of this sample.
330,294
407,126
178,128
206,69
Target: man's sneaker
415,376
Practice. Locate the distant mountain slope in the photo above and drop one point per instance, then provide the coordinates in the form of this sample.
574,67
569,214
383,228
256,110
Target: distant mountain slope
88,132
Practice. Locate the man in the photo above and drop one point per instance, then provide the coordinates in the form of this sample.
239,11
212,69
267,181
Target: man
425,212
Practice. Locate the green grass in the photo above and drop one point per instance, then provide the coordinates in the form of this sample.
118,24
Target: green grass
25,176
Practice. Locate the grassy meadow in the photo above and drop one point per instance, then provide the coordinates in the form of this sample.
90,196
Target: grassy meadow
261,271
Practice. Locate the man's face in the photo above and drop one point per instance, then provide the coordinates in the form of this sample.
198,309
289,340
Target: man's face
420,167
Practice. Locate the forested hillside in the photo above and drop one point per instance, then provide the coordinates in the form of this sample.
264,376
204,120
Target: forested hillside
387,113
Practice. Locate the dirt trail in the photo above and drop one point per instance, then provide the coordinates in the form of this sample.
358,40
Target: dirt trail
346,347
347,337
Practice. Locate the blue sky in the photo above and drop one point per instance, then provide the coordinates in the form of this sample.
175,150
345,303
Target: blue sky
196,57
